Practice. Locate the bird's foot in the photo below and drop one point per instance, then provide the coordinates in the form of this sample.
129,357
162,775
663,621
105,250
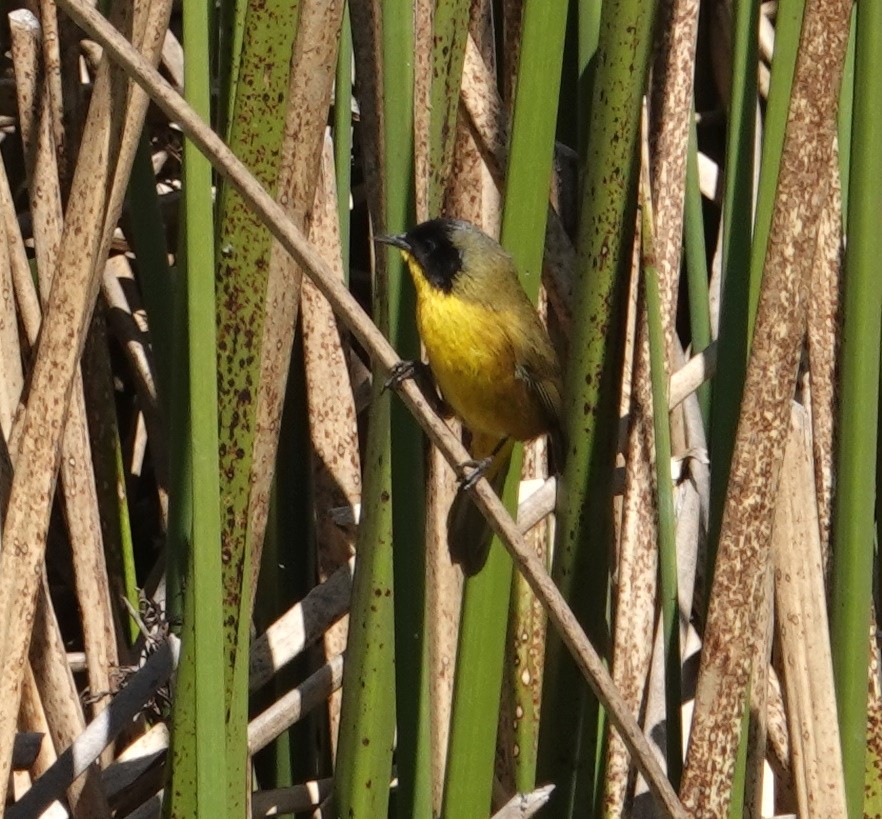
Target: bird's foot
401,372
421,373
477,469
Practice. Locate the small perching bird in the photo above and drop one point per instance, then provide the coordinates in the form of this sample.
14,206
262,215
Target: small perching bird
489,353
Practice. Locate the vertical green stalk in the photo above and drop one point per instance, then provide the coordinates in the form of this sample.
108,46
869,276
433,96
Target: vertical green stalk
528,178
858,423
696,266
207,614
481,652
367,717
201,706
408,504
740,280
127,550
667,538
588,20
570,730
255,134
787,30
474,720
154,277
367,720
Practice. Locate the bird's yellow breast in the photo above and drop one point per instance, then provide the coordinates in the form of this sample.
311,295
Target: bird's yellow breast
473,358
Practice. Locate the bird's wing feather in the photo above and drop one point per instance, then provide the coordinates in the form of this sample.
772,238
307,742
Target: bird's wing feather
545,389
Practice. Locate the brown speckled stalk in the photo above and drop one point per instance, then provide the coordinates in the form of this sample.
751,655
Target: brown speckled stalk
635,592
669,139
336,463
823,342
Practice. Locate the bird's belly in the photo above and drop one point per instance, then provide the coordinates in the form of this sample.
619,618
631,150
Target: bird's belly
473,362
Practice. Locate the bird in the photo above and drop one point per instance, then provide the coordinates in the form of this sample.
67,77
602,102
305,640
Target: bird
489,355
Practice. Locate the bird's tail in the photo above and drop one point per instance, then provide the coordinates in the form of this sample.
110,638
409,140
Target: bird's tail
468,533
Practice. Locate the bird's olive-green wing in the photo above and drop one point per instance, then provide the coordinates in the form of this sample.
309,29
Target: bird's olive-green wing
546,389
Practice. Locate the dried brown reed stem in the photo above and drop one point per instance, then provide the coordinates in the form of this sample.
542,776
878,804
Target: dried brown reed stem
637,571
291,707
336,461
823,342
33,718
14,270
62,706
804,634
300,627
127,324
759,690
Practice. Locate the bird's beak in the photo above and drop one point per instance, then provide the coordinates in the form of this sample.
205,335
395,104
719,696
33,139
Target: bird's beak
399,240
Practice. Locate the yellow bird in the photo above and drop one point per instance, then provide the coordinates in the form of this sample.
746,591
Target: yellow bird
490,356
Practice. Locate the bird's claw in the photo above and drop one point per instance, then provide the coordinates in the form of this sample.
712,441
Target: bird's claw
477,467
400,372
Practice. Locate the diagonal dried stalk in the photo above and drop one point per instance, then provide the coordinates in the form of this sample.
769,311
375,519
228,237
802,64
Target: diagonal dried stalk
80,498
55,97
764,421
291,707
134,761
33,718
100,732
759,690
10,351
301,626
61,704
14,272
366,332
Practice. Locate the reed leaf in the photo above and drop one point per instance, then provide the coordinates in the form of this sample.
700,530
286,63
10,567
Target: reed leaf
858,423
